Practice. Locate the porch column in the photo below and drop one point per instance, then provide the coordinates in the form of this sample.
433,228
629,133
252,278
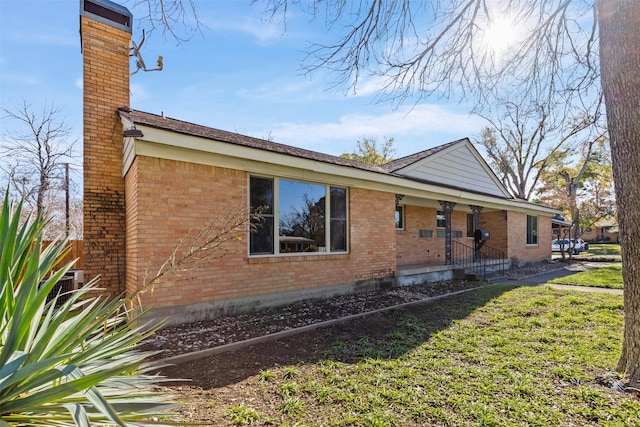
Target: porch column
447,207
476,226
476,216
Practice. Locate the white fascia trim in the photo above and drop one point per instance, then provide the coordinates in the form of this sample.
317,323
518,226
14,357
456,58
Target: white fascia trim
188,148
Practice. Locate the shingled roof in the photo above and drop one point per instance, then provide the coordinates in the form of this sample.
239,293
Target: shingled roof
186,128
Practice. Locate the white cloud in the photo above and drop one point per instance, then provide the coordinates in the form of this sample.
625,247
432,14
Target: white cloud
47,37
23,79
263,31
138,93
414,129
284,91
372,85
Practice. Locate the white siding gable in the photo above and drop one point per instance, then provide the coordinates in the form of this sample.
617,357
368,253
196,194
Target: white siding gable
459,166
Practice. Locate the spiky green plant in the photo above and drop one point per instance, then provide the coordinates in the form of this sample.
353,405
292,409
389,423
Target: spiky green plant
65,363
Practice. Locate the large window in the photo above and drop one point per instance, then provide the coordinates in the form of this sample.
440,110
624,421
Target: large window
532,230
301,210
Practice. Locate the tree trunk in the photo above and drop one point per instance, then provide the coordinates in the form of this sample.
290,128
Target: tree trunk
619,26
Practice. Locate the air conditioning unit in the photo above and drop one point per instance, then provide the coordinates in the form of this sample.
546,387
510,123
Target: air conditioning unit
78,278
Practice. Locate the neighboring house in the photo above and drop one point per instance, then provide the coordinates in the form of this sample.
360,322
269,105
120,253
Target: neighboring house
604,231
560,228
150,180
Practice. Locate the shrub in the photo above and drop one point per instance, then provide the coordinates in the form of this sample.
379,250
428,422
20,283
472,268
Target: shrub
65,363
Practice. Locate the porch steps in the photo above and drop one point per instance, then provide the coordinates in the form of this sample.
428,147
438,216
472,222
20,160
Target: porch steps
490,274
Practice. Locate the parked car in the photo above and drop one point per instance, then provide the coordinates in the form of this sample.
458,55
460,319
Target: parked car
566,245
583,244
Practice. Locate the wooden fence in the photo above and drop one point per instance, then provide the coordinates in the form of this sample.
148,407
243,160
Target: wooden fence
74,253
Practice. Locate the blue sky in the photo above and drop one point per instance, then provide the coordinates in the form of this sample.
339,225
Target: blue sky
242,74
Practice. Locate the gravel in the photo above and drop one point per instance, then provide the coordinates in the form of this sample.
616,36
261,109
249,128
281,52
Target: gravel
189,337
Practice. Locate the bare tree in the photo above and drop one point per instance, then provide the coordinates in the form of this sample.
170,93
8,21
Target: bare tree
64,219
177,19
434,47
526,138
368,151
34,157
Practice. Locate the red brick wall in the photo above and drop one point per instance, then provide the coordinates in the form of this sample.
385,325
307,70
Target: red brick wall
175,199
596,234
519,251
507,231
410,247
106,87
413,249
496,223
131,197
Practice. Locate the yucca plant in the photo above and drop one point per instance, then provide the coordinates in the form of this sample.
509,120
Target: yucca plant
65,363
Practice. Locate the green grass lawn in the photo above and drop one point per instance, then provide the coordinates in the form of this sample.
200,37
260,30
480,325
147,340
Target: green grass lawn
603,249
498,356
609,276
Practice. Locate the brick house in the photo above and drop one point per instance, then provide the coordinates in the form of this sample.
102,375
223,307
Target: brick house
604,231
329,225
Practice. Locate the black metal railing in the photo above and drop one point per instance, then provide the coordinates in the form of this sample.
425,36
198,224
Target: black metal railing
483,262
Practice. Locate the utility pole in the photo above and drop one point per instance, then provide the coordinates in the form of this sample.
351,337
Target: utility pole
66,189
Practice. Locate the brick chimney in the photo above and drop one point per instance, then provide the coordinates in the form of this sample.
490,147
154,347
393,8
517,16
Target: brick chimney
105,36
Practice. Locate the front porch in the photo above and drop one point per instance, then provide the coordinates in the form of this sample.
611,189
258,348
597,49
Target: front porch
413,274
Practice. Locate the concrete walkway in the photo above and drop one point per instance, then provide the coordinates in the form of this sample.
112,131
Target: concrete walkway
586,289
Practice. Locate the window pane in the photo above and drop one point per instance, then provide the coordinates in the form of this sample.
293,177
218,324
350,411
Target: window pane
261,199
399,217
338,203
441,222
470,227
338,219
261,194
301,216
338,235
261,239
532,230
